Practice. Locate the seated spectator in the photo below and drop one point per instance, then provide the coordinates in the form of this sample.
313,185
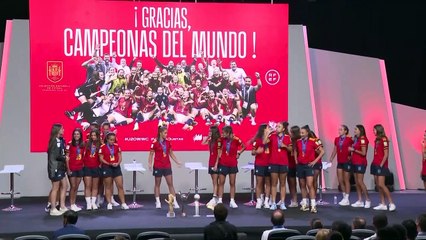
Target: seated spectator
343,228
333,235
70,218
316,223
421,225
386,233
402,232
379,221
359,223
220,228
411,227
322,234
277,220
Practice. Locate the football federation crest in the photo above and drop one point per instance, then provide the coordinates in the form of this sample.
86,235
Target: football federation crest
55,71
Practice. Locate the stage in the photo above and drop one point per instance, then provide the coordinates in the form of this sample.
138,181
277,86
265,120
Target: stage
33,220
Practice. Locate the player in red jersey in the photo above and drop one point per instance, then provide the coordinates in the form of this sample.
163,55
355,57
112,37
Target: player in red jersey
262,154
121,114
359,150
197,94
227,162
146,108
214,142
280,145
379,167
91,169
212,110
110,157
291,175
344,166
159,163
229,106
75,154
424,159
142,89
305,159
182,111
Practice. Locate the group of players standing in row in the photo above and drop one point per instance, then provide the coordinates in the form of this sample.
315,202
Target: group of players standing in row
122,94
280,156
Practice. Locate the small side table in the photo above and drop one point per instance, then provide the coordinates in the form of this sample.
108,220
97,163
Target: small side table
250,167
134,168
195,167
12,170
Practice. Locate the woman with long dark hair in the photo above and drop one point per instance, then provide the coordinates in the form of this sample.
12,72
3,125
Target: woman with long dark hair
308,153
75,154
379,167
110,157
344,166
227,163
160,165
56,169
213,140
359,164
280,145
291,175
261,151
91,169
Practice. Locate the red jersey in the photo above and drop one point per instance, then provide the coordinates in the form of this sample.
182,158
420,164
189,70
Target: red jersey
142,90
342,147
214,147
110,153
261,159
228,106
124,106
213,106
306,149
380,145
146,105
161,153
279,155
76,156
196,92
182,108
358,144
173,86
91,156
228,158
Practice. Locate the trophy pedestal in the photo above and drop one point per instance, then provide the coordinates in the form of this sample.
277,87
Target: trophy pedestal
171,215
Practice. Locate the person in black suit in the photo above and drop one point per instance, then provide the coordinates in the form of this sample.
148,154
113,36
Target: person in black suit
70,219
220,229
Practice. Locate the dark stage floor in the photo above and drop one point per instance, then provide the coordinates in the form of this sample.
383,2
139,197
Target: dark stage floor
32,219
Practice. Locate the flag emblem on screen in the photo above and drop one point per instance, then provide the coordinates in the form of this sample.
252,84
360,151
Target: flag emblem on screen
55,71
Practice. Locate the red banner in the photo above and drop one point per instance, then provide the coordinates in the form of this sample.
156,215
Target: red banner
138,64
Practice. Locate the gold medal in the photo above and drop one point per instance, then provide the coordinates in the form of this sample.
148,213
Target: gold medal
112,158
79,157
267,150
279,149
164,154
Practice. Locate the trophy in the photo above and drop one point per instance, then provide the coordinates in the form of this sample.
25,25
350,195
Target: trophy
183,198
197,205
170,201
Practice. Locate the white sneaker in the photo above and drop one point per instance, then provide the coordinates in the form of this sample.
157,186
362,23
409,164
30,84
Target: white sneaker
367,204
158,205
94,206
75,208
124,206
266,205
64,209
282,206
176,205
293,205
114,203
212,202
344,202
357,204
392,207
136,126
89,206
232,204
381,207
259,203
109,206
55,212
